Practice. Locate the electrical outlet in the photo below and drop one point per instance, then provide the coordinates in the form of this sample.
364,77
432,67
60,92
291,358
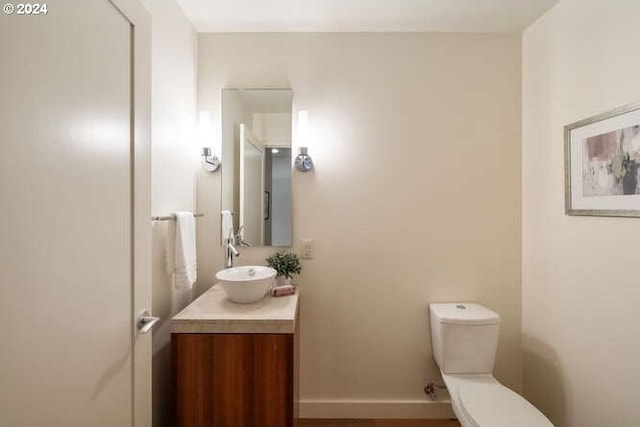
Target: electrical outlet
306,248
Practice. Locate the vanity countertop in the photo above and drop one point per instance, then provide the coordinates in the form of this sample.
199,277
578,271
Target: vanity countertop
213,313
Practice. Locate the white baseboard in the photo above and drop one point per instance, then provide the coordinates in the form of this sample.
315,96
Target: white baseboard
362,409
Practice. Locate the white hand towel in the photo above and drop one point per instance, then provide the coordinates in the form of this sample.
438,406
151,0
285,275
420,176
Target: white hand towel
226,226
185,263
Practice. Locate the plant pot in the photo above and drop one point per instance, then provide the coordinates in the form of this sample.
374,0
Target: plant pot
281,281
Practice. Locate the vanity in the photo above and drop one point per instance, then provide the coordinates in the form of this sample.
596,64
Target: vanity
236,365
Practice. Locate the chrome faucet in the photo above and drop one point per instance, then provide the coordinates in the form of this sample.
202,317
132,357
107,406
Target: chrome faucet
230,250
233,240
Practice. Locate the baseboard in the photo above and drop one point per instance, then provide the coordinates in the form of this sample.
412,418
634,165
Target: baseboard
357,409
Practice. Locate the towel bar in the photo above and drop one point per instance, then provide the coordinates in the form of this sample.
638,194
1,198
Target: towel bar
171,217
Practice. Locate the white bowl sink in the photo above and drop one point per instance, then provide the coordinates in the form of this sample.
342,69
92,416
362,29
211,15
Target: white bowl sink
246,284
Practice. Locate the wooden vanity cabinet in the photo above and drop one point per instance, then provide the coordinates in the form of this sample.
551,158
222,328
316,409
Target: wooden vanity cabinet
234,365
235,380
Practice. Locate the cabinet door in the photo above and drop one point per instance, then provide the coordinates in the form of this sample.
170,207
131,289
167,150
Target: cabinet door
233,380
273,380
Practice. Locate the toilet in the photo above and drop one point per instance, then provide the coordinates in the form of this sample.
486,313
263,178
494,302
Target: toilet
465,339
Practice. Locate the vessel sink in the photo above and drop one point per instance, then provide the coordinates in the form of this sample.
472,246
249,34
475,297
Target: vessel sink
246,284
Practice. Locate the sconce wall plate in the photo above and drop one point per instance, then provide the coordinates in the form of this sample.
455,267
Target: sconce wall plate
303,161
210,163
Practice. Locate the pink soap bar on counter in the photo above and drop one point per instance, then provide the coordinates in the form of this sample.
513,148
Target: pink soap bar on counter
280,291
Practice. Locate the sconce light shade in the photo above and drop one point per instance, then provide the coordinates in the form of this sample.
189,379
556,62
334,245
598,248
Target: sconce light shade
210,163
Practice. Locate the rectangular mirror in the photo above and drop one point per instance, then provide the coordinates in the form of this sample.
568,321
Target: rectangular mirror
256,156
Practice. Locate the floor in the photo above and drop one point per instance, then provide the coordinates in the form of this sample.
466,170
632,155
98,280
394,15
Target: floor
377,423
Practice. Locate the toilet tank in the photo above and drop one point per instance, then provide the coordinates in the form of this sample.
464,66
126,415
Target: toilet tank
464,337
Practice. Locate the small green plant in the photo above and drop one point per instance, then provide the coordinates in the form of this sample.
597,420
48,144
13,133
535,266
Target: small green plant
285,263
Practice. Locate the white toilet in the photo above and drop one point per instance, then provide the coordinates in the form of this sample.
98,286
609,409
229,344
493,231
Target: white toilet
465,339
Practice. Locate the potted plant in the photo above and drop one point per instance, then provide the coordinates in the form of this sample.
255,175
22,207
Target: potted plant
286,264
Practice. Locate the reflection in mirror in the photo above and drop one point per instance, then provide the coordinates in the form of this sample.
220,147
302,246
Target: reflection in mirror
256,175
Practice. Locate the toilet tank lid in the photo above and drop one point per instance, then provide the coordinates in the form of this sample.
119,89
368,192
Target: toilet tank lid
464,314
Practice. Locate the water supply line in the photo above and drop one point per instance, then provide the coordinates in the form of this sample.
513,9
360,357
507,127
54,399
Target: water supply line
430,389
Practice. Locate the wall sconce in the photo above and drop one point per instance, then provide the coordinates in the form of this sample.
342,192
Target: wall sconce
210,163
303,161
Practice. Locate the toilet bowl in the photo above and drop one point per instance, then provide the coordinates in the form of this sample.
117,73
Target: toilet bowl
482,401
465,339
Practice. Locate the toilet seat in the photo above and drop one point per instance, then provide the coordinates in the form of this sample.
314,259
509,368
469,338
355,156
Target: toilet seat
494,405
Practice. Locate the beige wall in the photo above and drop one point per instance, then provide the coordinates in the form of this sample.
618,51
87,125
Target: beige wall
415,198
580,292
173,172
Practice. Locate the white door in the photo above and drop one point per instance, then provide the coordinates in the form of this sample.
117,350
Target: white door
72,195
252,160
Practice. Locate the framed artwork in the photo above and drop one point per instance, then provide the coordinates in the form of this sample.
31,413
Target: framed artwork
602,162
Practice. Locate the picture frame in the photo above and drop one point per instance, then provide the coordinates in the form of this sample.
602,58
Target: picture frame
602,164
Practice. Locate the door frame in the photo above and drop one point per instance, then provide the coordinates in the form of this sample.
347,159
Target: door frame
141,345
